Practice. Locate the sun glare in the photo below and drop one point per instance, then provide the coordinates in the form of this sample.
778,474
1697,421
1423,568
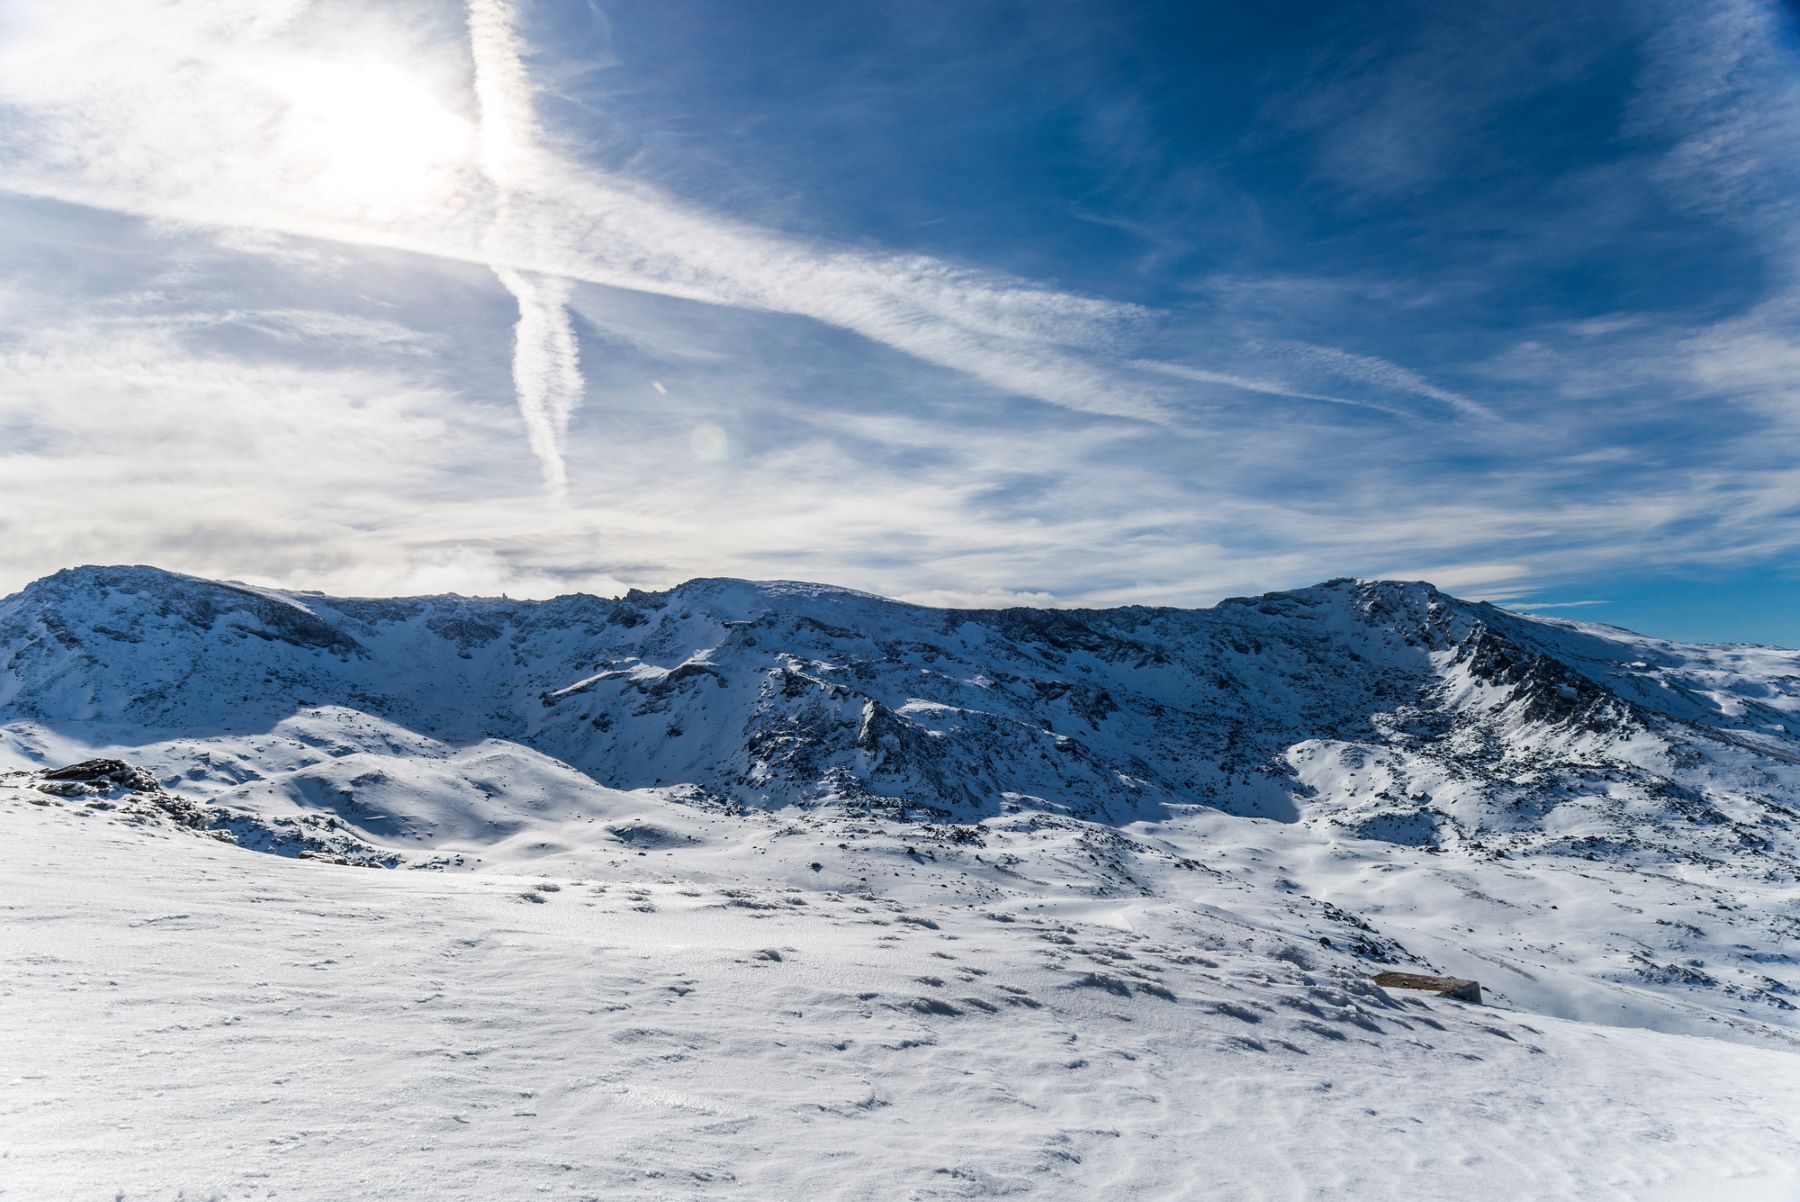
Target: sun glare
375,132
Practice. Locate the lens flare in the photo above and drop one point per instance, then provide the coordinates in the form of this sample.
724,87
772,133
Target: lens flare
709,443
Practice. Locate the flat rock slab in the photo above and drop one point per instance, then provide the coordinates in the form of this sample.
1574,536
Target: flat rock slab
1450,987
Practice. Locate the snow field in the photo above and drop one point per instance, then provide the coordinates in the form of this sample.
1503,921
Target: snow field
183,1018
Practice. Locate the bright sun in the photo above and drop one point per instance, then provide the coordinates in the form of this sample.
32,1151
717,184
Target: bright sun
370,131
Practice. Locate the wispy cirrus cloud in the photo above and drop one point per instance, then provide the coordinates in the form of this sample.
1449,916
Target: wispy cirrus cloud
1534,606
1200,375
97,117
1433,312
1374,370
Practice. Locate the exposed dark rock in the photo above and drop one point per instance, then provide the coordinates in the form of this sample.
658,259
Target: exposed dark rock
1450,987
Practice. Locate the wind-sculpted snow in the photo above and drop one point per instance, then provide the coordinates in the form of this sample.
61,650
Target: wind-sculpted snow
694,1011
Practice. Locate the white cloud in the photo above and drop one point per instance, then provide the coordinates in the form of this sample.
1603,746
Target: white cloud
1534,606
122,443
998,598
1719,79
97,116
1382,374
319,325
287,398
1265,387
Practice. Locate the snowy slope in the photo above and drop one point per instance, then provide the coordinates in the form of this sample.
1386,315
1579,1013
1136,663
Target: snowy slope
187,1019
1191,835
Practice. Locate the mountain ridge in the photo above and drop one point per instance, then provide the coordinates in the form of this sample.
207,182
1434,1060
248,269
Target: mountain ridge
783,692
1344,765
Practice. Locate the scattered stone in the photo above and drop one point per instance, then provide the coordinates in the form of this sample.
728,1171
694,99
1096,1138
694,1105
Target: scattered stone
1450,987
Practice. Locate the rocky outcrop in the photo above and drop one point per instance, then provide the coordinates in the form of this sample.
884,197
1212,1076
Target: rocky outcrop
1455,988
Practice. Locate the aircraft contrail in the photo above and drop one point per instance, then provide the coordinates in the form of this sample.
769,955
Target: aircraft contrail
546,357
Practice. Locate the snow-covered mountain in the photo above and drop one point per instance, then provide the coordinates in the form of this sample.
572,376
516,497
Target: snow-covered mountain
1207,827
1390,711
1361,713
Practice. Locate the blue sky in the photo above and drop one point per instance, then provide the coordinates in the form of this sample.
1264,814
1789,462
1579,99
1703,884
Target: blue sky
1056,303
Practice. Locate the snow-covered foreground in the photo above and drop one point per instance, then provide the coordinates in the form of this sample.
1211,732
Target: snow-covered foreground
184,1018
773,890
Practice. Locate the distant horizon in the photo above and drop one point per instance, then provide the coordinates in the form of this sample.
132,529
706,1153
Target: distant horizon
1580,611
